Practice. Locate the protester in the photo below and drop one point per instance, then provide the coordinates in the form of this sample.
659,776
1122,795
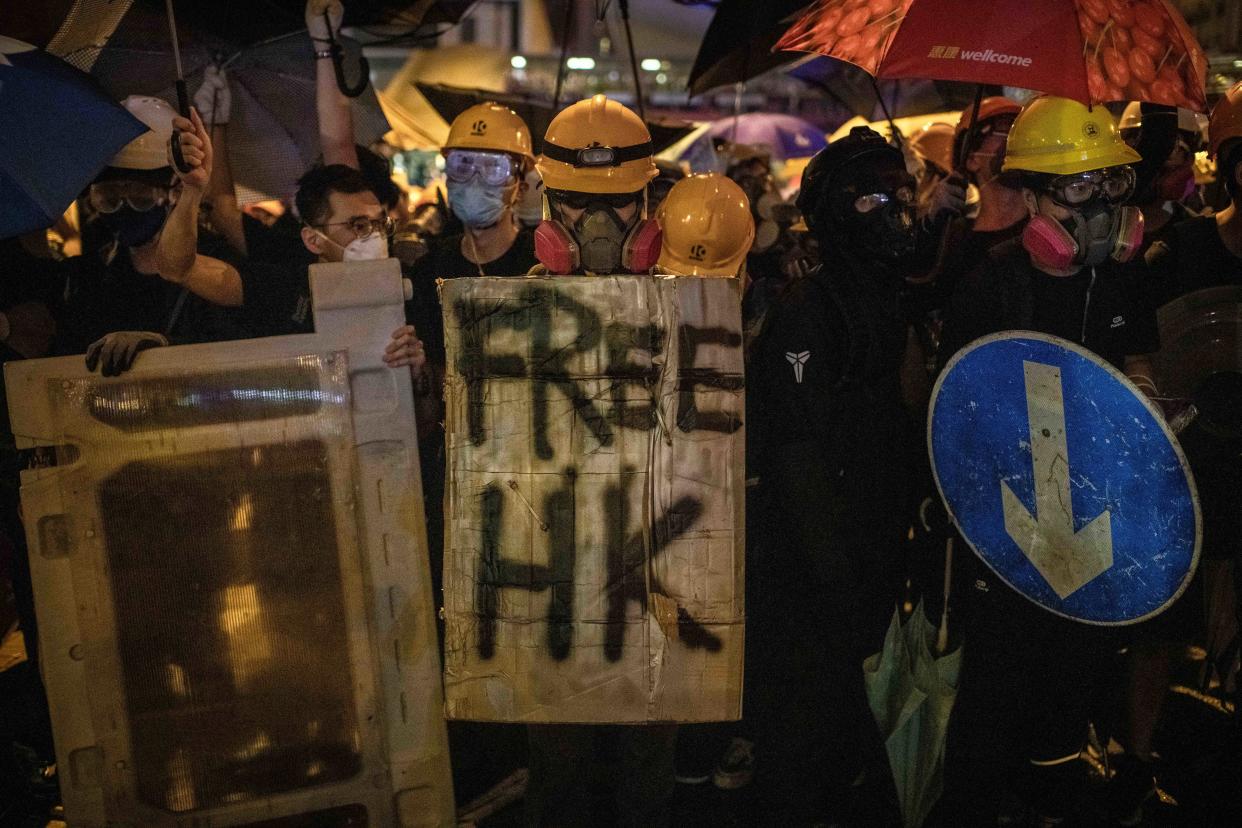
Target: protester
1195,254
1167,139
824,393
596,166
932,144
1001,210
128,297
707,230
1028,676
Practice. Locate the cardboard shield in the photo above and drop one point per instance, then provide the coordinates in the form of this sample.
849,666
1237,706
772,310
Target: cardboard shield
594,540
1064,478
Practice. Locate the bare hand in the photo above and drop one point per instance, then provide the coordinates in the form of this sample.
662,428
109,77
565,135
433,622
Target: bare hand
405,348
195,149
314,17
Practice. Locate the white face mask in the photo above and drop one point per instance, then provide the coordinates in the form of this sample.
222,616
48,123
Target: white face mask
374,246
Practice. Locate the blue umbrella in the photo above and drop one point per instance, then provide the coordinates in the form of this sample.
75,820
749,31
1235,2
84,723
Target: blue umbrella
785,136
59,131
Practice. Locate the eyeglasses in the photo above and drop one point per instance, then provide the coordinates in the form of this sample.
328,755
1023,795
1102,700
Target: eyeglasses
1114,185
493,168
364,228
872,201
580,201
110,196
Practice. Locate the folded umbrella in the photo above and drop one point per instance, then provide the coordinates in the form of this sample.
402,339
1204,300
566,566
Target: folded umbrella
60,130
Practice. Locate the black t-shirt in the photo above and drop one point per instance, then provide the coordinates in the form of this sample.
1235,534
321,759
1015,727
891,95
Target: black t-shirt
1191,256
275,282
444,260
104,296
1107,309
279,244
964,250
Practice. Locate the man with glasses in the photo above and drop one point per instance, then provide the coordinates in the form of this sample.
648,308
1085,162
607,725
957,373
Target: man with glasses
343,221
1028,677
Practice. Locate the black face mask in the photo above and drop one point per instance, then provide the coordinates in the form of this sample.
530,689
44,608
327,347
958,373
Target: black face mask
134,228
873,211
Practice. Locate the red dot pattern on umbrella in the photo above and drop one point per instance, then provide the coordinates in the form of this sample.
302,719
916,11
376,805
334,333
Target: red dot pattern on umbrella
858,31
1132,49
1136,50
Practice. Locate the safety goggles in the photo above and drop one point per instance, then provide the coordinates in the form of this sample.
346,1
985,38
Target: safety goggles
492,168
874,201
364,228
110,196
580,201
1113,185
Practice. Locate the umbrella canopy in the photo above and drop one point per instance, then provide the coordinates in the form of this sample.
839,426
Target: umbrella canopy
738,42
60,130
1130,49
272,134
911,692
785,136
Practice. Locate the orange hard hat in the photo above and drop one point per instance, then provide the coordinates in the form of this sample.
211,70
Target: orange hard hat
1225,125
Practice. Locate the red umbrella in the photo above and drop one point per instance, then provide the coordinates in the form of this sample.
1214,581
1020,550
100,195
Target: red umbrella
1094,51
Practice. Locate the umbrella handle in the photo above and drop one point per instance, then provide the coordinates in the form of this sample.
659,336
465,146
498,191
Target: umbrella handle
942,636
338,66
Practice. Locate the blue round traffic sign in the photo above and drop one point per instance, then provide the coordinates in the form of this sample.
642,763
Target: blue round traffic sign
1064,478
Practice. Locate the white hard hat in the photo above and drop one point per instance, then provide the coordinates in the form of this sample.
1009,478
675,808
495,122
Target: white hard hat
149,151
1187,119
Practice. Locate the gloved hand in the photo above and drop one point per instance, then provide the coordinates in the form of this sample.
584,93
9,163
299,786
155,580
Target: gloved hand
115,352
315,23
213,100
947,195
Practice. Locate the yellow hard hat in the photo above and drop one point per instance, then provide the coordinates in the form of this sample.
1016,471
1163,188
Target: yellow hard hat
597,146
1062,137
149,151
490,126
708,228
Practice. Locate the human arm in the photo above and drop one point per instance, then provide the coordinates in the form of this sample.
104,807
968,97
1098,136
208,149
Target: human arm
336,125
214,102
177,254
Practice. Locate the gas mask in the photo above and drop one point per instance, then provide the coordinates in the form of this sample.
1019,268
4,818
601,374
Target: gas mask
599,241
134,228
874,209
1098,228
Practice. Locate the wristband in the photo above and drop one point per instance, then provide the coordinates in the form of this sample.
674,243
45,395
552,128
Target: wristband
323,54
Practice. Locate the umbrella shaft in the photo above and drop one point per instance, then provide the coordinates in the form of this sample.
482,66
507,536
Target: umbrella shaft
176,47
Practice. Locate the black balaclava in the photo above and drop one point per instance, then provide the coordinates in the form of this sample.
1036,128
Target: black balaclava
859,165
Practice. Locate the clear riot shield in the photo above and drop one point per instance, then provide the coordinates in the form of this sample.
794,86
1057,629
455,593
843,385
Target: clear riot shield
231,577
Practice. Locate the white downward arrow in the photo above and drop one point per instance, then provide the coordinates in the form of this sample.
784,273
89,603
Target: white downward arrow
1067,560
